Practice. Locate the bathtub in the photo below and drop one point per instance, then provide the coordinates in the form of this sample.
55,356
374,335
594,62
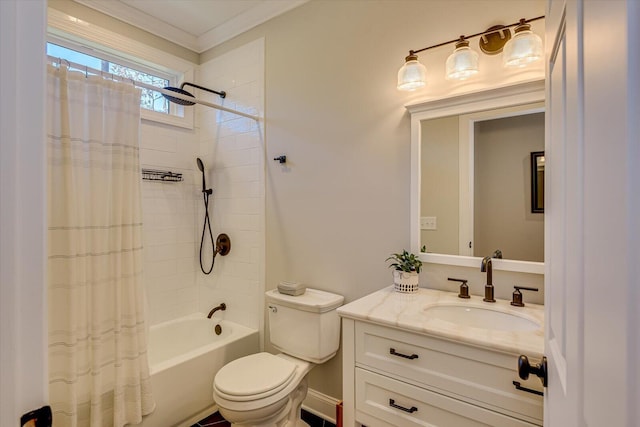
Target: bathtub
184,356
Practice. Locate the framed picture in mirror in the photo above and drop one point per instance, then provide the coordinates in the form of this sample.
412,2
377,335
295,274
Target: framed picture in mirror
537,182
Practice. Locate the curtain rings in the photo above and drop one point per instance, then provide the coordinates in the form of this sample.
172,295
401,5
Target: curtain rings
60,60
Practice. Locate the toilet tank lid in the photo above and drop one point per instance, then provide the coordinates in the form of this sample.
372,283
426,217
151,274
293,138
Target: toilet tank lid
313,300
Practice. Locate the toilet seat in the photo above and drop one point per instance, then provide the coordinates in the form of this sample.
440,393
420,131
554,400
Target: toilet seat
254,377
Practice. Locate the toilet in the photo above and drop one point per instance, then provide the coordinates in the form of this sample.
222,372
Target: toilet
264,389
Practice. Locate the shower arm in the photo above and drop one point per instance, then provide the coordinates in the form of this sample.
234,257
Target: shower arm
77,66
222,93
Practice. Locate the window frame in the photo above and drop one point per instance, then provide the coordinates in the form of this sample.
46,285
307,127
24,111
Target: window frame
71,33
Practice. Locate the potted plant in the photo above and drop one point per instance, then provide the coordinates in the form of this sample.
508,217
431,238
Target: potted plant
406,267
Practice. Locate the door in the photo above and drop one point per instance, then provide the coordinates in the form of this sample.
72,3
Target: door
592,214
563,237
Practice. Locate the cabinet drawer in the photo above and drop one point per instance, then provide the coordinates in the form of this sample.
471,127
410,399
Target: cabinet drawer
383,401
476,375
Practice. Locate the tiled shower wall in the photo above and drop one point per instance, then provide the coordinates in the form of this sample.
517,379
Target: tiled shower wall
169,221
232,148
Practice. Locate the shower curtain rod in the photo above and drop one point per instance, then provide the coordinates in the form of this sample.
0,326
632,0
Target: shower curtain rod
87,70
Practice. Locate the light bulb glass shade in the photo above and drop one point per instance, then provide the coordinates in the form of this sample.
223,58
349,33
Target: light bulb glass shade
461,64
524,48
412,75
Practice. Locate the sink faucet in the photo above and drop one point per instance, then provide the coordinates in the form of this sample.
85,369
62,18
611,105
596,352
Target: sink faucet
221,307
486,267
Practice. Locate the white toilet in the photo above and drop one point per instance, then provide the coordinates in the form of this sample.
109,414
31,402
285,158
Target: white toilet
267,390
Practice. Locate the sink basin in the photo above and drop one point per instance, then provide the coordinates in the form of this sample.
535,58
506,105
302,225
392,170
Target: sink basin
483,318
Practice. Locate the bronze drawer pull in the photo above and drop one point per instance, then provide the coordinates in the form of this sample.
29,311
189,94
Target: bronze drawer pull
528,390
411,410
393,352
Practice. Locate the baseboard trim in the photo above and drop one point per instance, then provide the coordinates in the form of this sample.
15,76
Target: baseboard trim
321,405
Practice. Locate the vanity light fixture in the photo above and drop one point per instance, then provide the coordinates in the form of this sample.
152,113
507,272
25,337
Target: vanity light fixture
463,62
524,48
412,75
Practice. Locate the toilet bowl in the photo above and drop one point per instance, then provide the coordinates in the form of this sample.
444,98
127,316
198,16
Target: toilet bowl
264,389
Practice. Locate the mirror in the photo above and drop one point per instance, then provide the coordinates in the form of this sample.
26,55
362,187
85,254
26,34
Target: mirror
475,186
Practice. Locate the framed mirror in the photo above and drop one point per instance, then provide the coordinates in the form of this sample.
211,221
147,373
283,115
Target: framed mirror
537,182
472,178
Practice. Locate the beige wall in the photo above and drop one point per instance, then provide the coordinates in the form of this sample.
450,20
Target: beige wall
502,216
341,204
440,183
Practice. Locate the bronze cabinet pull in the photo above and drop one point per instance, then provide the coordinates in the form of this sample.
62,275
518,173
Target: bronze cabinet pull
528,390
411,410
393,352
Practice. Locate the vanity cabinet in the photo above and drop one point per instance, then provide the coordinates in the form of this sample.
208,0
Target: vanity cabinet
395,377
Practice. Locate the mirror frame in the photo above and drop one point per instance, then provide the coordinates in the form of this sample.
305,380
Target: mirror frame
528,92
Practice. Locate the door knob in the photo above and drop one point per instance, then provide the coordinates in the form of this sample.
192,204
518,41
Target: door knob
539,370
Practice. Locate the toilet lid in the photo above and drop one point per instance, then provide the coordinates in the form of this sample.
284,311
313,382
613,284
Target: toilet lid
254,375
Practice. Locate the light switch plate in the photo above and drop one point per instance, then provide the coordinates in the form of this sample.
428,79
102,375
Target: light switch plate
428,223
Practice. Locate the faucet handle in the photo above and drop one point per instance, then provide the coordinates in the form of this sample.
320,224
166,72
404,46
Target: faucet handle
464,288
517,295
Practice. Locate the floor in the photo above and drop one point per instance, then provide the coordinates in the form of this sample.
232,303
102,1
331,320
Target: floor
216,420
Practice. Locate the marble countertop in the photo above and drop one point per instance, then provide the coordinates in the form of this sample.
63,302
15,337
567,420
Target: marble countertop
406,311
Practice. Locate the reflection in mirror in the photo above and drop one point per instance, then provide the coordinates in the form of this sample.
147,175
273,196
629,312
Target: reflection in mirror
476,184
537,182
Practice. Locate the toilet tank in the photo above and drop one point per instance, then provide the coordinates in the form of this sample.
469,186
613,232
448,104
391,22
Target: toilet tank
306,326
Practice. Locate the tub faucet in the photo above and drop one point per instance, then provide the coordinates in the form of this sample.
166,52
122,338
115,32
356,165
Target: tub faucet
486,267
221,307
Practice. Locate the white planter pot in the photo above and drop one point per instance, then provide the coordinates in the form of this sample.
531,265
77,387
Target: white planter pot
405,282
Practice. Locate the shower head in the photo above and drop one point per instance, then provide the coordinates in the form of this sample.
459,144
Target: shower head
181,90
178,100
204,184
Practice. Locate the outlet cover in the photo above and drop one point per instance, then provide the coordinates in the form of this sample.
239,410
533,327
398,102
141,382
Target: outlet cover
428,223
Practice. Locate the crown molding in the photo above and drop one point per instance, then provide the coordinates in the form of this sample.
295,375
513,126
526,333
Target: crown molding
135,17
61,25
246,21
231,28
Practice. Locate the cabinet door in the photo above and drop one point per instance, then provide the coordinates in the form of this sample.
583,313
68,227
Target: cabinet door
383,401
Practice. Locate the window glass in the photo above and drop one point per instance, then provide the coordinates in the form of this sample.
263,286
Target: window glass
150,99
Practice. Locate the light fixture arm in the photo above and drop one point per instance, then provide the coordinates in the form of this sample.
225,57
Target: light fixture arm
491,30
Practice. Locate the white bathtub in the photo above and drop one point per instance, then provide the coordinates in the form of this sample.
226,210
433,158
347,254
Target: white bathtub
184,356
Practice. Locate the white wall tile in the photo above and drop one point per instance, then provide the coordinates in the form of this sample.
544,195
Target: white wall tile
233,153
234,146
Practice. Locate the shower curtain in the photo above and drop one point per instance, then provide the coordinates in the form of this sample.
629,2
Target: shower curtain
98,368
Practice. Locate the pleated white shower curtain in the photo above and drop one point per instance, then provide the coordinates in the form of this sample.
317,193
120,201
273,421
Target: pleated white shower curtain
98,368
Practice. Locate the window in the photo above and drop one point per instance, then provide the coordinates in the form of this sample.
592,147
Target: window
150,100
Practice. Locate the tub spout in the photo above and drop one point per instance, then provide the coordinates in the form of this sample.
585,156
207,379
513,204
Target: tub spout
222,307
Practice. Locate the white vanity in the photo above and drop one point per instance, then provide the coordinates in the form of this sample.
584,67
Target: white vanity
433,359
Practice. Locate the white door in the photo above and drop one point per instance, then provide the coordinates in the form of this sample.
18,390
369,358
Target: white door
592,214
562,236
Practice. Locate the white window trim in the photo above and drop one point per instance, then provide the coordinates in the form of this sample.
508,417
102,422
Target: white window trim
73,33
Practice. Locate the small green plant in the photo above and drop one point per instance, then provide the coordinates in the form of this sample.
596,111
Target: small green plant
405,261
